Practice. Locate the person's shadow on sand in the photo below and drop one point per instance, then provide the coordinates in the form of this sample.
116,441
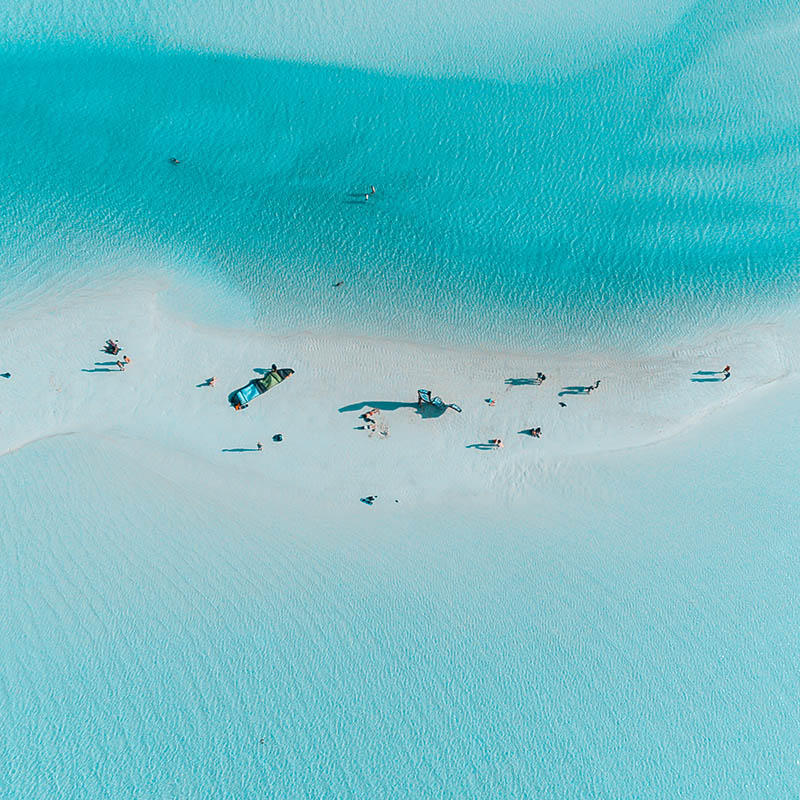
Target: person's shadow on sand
100,369
481,446
574,390
239,449
707,376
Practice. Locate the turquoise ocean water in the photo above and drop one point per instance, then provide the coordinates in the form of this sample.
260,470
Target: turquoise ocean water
645,646
649,193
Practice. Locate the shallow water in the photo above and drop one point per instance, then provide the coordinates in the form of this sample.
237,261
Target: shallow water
168,638
647,197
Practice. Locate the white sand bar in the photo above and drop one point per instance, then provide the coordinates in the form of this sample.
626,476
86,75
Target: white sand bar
62,383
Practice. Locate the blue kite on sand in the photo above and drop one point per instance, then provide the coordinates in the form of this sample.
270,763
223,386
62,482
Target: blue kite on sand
424,398
241,398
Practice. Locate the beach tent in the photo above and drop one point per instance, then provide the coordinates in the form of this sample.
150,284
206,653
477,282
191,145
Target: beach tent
240,398
424,398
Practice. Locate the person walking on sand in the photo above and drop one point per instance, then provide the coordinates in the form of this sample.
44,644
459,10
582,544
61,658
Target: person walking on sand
498,443
593,386
121,366
259,446
541,377
211,381
126,359
726,372
535,432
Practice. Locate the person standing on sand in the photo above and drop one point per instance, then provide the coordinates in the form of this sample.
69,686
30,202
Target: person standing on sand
121,366
498,443
126,359
726,372
259,446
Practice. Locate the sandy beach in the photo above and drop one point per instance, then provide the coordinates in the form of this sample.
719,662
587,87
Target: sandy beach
62,383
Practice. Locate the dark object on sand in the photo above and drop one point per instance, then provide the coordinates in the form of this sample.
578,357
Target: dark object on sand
369,499
240,398
278,437
424,398
562,404
5,375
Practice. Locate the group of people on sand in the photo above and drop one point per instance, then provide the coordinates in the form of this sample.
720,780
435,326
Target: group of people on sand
371,424
113,348
536,432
